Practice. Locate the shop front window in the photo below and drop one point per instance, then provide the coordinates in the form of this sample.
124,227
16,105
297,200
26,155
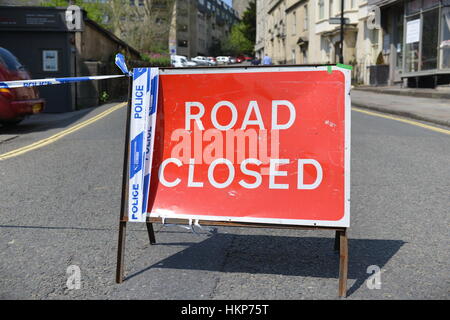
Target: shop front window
413,6
399,42
413,26
430,4
445,43
430,39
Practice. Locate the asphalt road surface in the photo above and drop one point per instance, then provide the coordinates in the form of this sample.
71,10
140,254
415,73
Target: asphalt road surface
59,207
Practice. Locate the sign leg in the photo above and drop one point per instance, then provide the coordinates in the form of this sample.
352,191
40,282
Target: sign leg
121,251
123,221
336,241
151,233
343,262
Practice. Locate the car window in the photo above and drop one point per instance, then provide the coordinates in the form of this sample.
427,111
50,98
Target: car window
10,60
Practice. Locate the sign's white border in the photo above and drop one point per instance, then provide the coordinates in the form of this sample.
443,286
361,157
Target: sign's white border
345,221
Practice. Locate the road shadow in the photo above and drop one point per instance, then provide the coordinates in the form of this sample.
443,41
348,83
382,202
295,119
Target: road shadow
46,121
281,255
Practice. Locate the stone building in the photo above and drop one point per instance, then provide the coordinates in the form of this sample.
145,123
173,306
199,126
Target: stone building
197,26
416,41
304,32
241,5
387,42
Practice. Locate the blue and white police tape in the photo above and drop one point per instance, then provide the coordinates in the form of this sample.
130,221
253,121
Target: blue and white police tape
151,125
142,127
120,62
51,81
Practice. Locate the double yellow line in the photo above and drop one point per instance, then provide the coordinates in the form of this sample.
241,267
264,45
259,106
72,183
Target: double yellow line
412,122
59,135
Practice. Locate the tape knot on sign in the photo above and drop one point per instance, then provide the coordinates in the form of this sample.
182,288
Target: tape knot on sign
120,62
208,230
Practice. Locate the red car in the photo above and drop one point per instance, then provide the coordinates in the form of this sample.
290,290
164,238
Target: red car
17,103
243,58
239,59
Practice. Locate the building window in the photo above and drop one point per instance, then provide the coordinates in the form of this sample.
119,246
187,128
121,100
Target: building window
422,36
413,6
412,43
182,43
305,56
305,20
430,41
182,12
182,27
294,22
445,44
331,9
430,3
321,9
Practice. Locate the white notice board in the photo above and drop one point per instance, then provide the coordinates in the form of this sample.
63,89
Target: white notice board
413,31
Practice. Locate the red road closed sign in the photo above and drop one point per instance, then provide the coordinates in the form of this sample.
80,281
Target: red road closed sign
259,145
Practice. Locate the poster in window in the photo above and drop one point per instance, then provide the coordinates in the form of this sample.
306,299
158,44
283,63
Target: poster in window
50,60
413,31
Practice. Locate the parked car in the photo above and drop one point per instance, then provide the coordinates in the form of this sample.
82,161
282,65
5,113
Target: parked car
240,59
223,60
232,60
212,61
201,61
17,103
181,61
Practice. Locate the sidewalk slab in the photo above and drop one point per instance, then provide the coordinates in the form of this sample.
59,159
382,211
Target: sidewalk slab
7,137
427,109
438,93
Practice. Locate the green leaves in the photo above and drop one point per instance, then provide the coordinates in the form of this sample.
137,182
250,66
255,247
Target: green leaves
242,37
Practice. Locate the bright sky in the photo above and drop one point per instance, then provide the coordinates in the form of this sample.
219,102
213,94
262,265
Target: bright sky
228,2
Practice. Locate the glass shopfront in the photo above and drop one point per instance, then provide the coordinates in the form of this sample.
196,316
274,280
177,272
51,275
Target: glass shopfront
426,37
444,46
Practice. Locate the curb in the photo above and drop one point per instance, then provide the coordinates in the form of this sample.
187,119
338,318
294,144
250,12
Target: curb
402,113
7,137
431,95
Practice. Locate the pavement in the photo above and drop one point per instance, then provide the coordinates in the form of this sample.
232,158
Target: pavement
434,110
440,92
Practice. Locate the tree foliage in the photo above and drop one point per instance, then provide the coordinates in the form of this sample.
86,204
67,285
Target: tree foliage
237,42
249,21
95,10
241,39
144,25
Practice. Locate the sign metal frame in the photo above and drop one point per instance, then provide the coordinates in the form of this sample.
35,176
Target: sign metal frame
340,227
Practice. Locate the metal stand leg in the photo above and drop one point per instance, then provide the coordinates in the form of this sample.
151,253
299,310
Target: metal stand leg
151,233
123,223
343,263
336,241
121,251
